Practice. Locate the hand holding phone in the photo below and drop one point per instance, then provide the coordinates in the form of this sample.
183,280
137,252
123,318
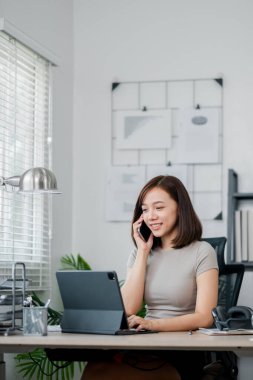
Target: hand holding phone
144,231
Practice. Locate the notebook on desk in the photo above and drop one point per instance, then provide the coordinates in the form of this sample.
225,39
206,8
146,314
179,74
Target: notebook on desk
92,303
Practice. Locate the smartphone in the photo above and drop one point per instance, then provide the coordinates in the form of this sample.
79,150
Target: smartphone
144,231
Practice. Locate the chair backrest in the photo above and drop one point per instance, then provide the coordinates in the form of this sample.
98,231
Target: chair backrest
230,275
218,243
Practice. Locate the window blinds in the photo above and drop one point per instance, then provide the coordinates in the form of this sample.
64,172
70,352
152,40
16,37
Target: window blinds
25,142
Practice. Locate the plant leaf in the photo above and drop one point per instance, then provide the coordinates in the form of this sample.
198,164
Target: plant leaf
78,263
36,363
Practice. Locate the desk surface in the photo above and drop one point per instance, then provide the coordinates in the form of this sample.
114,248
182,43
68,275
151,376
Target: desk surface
159,341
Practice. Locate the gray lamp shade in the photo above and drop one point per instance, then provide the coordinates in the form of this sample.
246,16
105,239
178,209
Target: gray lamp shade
38,180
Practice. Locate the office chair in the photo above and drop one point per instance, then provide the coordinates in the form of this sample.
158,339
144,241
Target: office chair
230,275
230,281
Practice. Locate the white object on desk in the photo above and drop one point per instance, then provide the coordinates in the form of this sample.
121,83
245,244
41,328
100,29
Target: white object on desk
53,328
226,332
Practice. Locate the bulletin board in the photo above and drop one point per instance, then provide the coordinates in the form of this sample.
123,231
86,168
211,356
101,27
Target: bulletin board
166,127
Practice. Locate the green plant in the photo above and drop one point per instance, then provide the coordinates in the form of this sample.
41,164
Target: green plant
70,262
36,363
142,311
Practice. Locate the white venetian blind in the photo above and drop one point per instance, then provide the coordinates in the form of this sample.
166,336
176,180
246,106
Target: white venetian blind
25,142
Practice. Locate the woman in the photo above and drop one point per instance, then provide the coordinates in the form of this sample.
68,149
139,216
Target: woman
173,271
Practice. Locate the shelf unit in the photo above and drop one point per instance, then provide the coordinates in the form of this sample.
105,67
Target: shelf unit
234,197
15,287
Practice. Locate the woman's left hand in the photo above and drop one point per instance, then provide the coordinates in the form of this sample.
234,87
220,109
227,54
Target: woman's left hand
139,323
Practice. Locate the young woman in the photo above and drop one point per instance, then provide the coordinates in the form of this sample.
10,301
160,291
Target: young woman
174,272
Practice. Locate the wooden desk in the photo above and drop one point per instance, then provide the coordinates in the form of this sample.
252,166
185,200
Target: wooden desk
15,343
161,341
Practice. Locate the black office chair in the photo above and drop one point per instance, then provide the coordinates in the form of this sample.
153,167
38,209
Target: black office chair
230,275
230,281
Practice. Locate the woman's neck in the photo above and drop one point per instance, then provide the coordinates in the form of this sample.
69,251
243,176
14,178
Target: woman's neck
167,240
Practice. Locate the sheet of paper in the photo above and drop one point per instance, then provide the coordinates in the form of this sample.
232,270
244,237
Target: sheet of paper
198,136
123,186
143,129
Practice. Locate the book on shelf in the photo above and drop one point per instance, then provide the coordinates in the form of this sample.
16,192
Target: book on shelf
244,235
238,239
250,234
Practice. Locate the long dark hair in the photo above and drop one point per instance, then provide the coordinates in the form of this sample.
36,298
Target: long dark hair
188,225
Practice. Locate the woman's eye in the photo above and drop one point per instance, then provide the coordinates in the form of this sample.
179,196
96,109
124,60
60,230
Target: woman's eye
159,208
144,210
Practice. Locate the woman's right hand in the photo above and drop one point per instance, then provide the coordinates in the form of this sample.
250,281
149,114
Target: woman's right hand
140,242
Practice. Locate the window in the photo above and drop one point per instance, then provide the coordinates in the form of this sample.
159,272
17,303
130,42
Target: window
25,142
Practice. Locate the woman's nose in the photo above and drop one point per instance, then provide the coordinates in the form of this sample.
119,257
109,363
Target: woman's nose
151,214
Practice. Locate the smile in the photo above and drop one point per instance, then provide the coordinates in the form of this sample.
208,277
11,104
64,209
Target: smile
155,226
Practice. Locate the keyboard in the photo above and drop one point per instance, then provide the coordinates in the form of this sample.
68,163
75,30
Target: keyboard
134,331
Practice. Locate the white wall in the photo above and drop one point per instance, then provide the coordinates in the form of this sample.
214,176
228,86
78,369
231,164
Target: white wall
121,40
50,23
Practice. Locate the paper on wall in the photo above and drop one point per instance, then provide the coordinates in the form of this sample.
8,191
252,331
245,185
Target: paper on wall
198,136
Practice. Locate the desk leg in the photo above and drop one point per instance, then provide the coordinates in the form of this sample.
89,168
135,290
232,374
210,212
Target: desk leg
2,367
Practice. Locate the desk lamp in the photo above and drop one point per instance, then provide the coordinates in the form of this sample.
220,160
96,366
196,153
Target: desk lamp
34,180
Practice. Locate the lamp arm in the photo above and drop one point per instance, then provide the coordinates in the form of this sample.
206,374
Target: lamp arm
12,181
